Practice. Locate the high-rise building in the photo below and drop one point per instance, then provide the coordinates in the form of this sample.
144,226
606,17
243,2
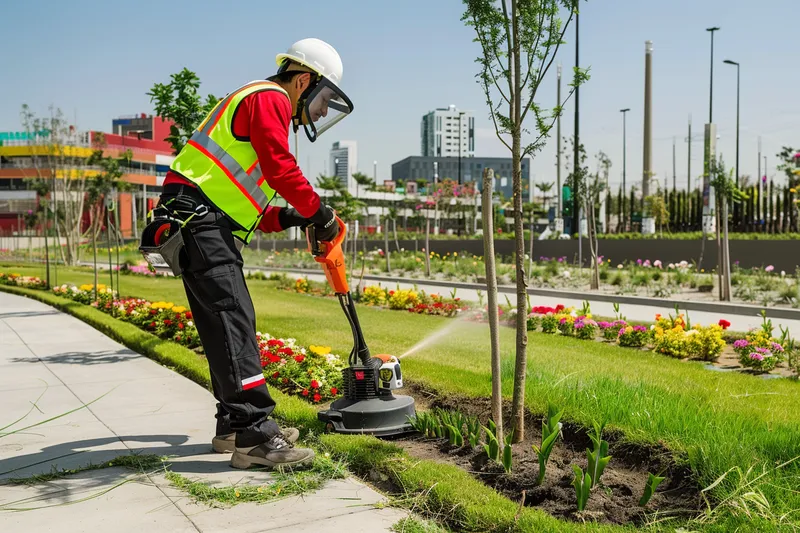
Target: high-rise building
443,130
344,163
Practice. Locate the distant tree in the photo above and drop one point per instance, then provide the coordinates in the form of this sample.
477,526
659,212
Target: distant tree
180,102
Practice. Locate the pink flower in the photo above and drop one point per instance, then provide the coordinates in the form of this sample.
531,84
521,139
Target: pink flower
769,268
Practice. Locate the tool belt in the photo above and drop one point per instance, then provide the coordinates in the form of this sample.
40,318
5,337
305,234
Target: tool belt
162,241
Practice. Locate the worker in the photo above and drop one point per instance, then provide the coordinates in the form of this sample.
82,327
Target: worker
219,190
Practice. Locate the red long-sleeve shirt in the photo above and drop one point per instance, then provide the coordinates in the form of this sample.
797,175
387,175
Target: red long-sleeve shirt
264,117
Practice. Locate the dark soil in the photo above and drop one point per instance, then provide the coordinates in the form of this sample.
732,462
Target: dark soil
614,500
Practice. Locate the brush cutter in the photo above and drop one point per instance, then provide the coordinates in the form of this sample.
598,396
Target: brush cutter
368,405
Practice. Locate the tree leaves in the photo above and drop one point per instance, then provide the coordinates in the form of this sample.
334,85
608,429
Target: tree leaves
180,102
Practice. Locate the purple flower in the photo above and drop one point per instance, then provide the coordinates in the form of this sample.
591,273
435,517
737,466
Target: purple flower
560,259
604,325
777,347
562,321
741,343
639,262
620,323
762,350
647,262
641,329
756,356
579,325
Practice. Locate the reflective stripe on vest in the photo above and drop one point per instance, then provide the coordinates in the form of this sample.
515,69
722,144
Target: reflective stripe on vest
248,183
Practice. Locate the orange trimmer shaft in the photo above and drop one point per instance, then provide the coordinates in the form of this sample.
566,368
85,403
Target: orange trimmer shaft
331,257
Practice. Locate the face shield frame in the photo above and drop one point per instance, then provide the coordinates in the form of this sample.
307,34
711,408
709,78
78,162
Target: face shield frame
321,98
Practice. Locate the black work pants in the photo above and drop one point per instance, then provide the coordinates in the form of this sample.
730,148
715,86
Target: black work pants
223,312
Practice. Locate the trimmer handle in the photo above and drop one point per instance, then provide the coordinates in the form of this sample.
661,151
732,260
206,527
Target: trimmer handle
330,256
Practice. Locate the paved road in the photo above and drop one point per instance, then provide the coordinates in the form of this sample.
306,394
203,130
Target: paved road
147,408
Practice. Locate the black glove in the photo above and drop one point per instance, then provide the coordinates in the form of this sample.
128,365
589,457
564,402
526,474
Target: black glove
288,217
325,224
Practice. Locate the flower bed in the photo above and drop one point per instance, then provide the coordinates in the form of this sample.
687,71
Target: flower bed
313,374
31,282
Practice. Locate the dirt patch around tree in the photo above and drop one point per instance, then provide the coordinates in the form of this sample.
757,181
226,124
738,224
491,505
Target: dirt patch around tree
614,500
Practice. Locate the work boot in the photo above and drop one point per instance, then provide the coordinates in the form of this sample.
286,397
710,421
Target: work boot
276,452
226,443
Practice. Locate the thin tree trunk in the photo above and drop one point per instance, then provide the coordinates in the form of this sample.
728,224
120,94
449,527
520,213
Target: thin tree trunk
726,258
93,224
518,408
491,292
386,245
530,251
394,228
427,247
719,244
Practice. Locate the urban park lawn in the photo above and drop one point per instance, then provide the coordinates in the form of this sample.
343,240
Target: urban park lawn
716,422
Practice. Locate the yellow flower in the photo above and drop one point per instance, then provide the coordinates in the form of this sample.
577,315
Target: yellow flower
702,270
320,350
178,309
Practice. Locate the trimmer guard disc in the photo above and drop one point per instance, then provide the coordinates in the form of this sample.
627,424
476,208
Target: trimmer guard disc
381,417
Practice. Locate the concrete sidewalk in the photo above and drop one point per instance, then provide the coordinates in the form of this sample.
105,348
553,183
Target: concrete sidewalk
142,408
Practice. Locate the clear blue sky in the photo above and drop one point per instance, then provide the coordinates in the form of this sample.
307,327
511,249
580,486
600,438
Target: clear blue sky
96,60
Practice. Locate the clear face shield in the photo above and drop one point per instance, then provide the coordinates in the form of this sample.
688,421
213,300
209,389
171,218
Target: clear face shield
324,107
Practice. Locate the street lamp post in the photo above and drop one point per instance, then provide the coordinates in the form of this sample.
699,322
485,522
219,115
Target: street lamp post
624,165
711,84
729,62
460,114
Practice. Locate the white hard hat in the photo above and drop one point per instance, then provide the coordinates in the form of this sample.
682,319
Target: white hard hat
324,103
317,55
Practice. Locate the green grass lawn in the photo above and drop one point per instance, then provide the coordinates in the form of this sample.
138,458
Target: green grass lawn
715,420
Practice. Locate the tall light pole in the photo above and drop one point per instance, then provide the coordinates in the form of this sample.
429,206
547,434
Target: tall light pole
647,170
559,221
710,134
624,166
711,84
729,62
576,165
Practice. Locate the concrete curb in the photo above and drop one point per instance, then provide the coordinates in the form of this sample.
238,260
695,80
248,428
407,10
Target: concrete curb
711,307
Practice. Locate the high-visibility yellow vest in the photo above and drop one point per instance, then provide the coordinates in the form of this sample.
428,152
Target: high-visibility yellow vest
225,168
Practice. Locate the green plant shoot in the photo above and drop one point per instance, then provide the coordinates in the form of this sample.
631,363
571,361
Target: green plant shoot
582,484
650,488
492,447
507,459
550,430
598,458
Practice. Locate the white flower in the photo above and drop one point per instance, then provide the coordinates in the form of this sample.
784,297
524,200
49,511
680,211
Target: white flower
566,274
190,323
652,327
619,267
527,257
671,266
657,263
783,273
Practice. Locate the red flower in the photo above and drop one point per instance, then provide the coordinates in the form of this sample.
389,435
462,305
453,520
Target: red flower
299,358
314,384
275,342
180,325
334,391
152,324
167,322
178,338
153,311
275,375
285,381
188,315
286,351
559,307
317,397
305,392
724,323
